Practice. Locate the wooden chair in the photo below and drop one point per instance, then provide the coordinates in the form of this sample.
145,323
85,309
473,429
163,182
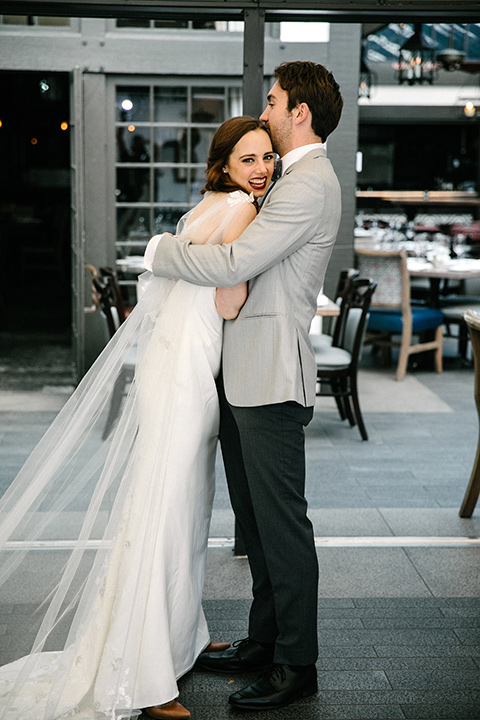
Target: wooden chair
337,366
472,320
110,276
107,302
392,313
454,309
320,340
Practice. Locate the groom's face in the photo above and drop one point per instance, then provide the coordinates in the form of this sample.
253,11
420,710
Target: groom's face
278,119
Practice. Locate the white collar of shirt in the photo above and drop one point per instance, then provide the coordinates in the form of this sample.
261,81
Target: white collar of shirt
294,155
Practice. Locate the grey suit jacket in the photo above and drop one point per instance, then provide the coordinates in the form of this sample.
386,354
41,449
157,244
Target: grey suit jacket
284,252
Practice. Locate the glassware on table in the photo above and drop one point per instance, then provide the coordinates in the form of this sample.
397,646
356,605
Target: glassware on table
460,245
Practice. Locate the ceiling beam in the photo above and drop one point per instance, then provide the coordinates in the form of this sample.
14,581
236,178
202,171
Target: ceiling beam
275,10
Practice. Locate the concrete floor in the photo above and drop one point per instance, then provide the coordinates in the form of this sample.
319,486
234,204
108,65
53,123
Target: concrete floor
399,592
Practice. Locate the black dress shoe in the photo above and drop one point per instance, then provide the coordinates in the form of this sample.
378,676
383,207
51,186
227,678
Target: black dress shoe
278,686
243,656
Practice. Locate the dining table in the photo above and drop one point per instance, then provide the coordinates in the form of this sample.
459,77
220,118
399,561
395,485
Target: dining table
437,270
327,307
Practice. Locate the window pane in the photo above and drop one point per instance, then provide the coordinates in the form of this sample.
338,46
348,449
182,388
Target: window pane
235,102
133,104
133,224
133,22
169,142
133,146
208,105
166,219
170,23
170,104
53,21
201,141
171,185
132,185
15,20
182,145
203,25
197,185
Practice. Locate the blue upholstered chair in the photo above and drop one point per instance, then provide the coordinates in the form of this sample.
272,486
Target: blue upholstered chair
393,315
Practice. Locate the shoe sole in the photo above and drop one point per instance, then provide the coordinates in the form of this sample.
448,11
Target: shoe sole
262,706
221,671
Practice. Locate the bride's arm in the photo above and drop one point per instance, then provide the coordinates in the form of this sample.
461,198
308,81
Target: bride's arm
229,300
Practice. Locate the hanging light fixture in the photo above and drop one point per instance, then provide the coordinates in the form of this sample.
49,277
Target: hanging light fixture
416,60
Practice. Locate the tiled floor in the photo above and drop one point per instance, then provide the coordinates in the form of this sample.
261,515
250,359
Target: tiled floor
399,607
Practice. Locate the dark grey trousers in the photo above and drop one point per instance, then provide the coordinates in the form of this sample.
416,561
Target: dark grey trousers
263,450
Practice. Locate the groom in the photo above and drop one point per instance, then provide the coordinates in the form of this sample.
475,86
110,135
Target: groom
267,388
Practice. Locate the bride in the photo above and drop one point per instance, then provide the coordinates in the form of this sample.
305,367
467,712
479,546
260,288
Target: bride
109,538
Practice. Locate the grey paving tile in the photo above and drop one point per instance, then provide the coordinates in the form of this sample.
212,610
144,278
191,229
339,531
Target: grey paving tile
342,664
448,571
442,673
354,572
446,698
414,614
390,637
468,637
434,522
426,651
461,612
419,602
352,680
424,622
327,623
440,712
359,712
345,651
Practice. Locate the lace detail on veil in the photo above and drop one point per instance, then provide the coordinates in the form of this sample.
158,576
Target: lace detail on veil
64,520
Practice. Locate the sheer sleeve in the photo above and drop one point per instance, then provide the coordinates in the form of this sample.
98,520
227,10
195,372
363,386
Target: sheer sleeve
212,225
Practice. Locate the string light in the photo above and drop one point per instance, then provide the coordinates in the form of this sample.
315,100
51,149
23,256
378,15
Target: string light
64,125
131,128
469,109
34,141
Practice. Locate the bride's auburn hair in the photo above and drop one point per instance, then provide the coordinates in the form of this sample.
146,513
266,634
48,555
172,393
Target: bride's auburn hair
223,143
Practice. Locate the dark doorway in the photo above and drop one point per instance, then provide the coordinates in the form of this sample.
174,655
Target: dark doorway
35,291
34,202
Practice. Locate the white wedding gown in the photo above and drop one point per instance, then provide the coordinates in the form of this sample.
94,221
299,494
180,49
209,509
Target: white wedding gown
132,592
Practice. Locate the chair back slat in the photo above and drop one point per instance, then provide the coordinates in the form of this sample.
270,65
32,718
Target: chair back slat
357,301
343,286
106,302
110,277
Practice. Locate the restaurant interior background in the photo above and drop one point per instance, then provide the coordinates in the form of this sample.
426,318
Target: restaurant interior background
142,164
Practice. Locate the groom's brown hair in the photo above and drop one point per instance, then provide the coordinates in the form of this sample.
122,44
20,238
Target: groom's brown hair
310,83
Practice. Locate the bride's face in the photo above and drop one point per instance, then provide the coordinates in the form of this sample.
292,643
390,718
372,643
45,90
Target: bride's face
250,165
